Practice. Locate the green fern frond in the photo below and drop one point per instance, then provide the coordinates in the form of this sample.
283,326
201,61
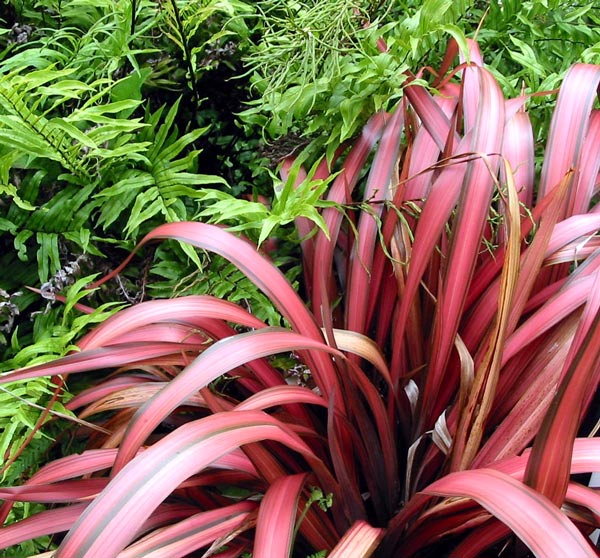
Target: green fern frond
165,179
25,125
69,131
192,26
258,221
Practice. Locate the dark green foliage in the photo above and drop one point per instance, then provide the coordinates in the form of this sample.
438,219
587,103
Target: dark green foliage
89,157
318,66
318,70
530,45
533,43
104,113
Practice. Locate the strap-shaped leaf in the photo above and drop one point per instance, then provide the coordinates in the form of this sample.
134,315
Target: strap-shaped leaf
111,522
277,518
531,516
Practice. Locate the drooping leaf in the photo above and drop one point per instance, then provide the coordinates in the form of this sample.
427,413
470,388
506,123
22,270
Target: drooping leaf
531,516
110,523
277,516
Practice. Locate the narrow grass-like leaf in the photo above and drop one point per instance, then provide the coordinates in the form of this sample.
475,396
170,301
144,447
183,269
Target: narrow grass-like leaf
523,412
104,389
471,427
589,166
132,398
215,361
493,531
568,129
277,518
47,522
341,193
186,536
531,516
436,211
585,459
111,521
557,308
360,541
549,465
260,270
184,309
466,237
104,357
363,346
71,466
426,152
434,120
379,187
281,395
518,150
534,256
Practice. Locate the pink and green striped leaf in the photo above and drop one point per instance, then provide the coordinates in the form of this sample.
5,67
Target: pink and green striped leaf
276,520
111,522
262,273
380,187
531,516
549,465
183,310
191,533
360,541
215,361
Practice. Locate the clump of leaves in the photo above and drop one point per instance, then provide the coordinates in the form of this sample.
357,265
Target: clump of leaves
71,143
448,362
562,33
199,28
299,196
318,68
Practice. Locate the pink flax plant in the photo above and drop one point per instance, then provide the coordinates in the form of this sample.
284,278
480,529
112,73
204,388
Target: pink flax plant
449,348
